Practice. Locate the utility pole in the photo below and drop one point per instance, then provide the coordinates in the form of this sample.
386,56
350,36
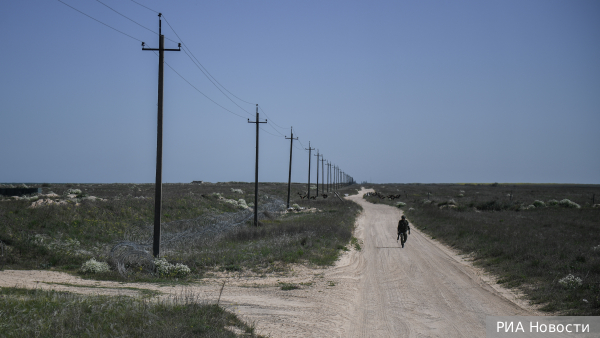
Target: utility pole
159,133
328,175
335,178
291,138
317,155
332,177
323,173
256,170
309,149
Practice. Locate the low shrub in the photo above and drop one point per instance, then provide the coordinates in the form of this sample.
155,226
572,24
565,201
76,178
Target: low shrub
538,204
73,192
570,281
166,269
93,266
567,203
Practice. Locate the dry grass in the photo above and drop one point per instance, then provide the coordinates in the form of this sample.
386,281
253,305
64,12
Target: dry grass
65,236
531,249
37,313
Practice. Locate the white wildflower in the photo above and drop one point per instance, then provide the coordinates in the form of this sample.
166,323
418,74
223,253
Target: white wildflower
552,202
73,192
242,203
539,204
93,266
570,281
166,269
234,203
569,204
400,204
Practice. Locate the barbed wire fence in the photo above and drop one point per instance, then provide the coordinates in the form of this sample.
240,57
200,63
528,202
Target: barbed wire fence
181,235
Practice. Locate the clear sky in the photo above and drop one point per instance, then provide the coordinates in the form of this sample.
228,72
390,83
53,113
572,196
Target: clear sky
390,91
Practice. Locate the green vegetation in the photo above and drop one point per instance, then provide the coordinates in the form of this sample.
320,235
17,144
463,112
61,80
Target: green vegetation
288,286
76,233
37,313
506,230
355,242
67,235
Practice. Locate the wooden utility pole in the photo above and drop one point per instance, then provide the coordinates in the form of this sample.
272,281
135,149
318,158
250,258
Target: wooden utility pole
323,174
159,133
309,149
335,177
256,169
328,175
291,138
317,155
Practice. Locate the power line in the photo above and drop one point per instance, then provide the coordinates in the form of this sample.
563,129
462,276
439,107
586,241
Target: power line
261,128
190,55
276,130
145,6
198,90
214,83
271,120
207,72
99,21
112,9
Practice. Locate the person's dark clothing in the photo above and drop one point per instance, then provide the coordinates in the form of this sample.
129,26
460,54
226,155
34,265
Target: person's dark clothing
403,227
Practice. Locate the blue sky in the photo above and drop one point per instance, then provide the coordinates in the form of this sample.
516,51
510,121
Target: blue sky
390,91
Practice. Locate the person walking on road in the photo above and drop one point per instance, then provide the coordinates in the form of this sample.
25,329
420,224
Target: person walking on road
403,227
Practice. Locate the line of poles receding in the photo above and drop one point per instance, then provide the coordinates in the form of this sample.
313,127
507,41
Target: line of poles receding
336,178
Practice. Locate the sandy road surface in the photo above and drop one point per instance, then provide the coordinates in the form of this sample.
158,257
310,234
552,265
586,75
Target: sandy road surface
422,290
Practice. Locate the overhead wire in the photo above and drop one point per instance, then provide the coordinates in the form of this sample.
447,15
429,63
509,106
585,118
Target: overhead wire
89,16
186,53
269,118
145,7
176,72
197,63
213,101
198,90
261,128
207,72
126,17
210,77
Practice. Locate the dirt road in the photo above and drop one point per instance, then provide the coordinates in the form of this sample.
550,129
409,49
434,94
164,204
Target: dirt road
422,290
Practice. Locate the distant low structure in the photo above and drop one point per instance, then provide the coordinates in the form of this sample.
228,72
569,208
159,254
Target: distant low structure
197,182
19,191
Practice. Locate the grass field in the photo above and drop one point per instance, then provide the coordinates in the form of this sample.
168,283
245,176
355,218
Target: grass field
65,236
498,225
37,313
78,227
